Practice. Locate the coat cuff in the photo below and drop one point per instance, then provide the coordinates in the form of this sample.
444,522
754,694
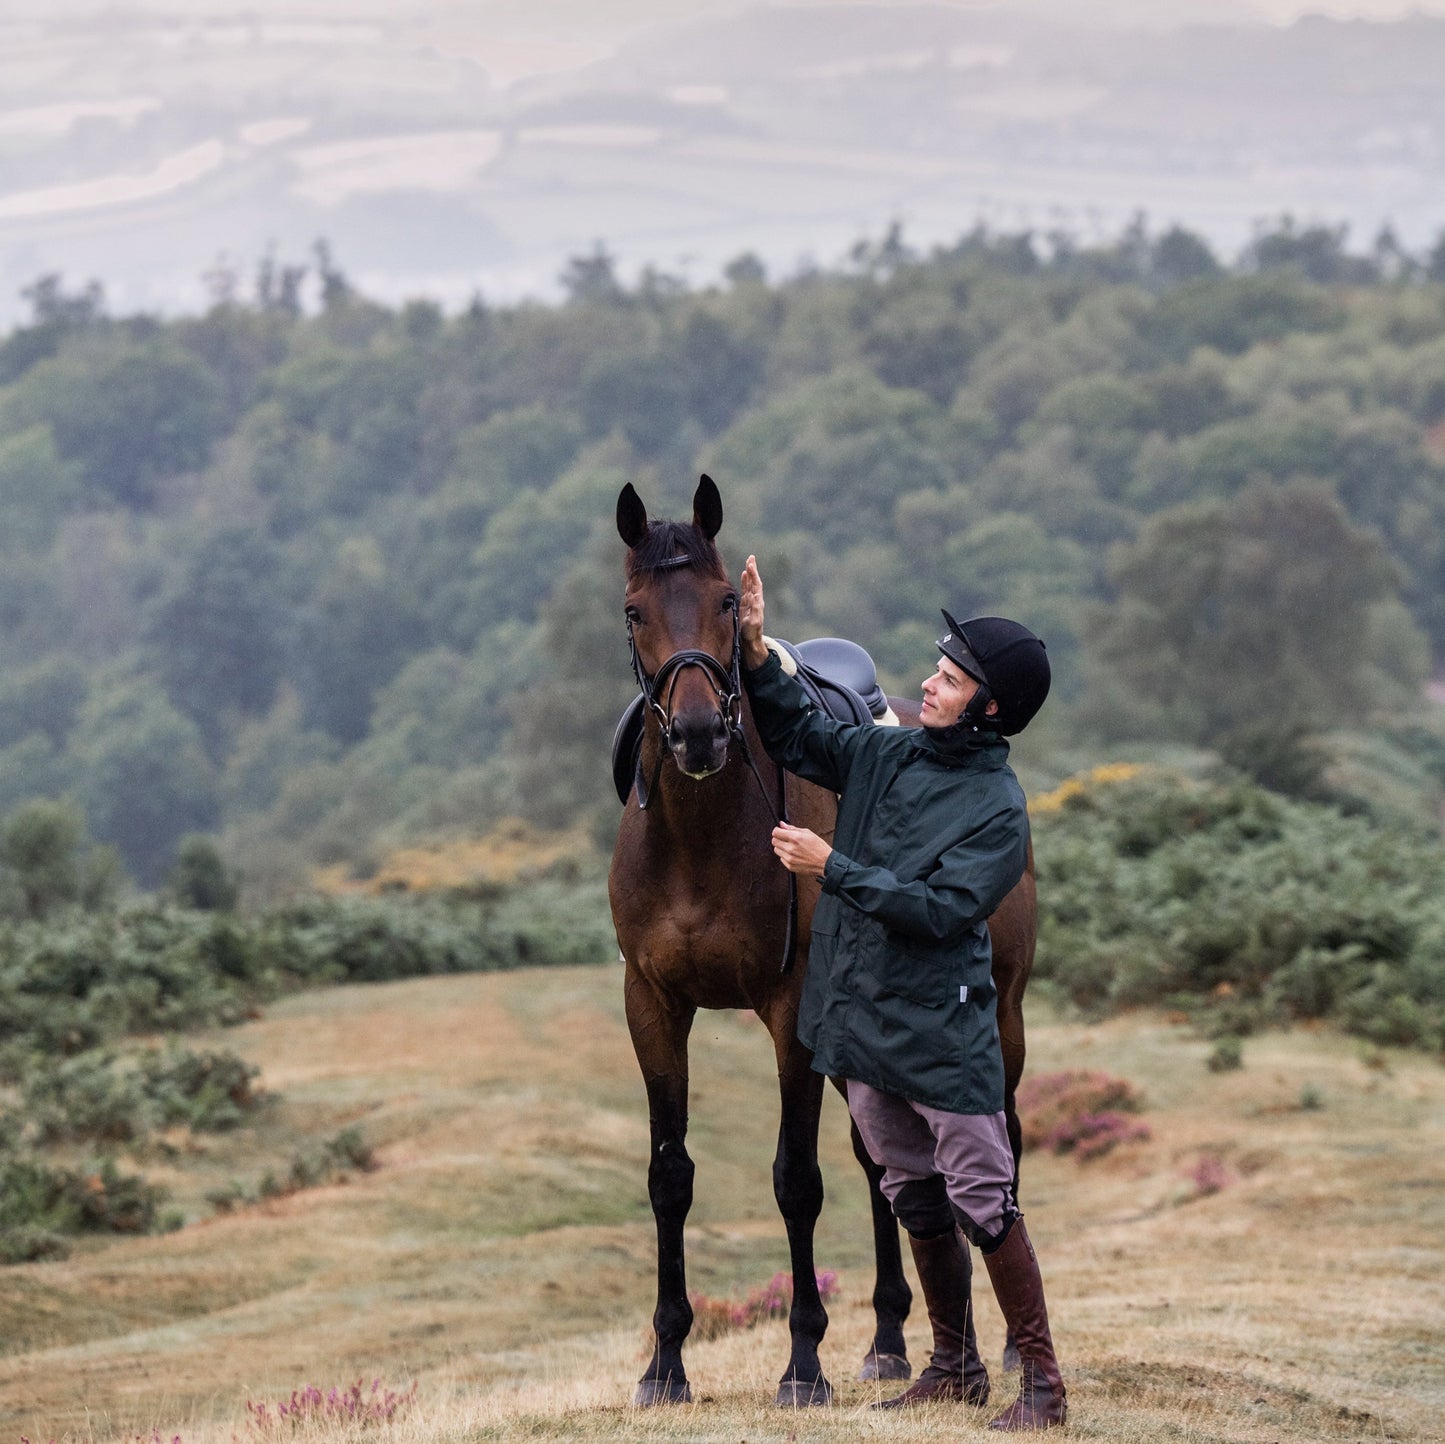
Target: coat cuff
766,672
834,871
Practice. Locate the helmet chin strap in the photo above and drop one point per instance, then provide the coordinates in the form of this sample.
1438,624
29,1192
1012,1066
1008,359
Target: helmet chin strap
975,717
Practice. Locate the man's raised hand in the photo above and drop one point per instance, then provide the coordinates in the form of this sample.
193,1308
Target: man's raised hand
750,615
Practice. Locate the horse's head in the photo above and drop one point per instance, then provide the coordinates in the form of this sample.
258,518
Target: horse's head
682,618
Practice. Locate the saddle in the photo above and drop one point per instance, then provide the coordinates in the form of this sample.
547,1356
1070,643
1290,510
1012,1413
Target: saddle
838,676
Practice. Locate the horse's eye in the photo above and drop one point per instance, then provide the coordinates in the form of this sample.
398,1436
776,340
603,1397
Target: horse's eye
730,602
632,615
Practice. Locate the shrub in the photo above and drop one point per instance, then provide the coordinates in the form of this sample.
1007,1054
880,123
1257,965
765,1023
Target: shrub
1240,906
312,1166
1226,1055
714,1317
70,986
70,990
86,1097
1078,1112
205,1091
102,1096
34,1196
28,1244
310,1406
1207,1175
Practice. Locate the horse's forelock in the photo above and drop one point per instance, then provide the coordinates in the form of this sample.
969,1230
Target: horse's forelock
665,542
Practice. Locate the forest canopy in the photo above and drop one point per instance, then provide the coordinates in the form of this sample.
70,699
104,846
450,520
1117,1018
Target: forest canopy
318,580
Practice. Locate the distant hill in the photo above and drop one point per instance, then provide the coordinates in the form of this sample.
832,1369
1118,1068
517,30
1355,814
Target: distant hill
139,146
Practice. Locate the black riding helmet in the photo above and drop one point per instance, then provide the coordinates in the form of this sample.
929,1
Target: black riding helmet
1007,661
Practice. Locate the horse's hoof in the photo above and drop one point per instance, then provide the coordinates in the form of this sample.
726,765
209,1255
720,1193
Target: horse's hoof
661,1391
804,1393
884,1366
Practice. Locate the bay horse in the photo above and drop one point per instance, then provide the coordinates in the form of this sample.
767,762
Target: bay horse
706,917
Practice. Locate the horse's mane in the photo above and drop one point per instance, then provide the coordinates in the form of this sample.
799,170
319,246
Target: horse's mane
665,541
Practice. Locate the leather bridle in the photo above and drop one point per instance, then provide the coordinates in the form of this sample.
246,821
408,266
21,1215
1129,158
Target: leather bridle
726,681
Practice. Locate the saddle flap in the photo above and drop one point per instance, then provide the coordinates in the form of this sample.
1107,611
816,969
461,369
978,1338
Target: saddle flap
627,747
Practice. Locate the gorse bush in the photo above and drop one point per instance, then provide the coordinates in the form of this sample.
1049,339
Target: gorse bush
39,1204
101,1096
333,1160
68,986
1222,898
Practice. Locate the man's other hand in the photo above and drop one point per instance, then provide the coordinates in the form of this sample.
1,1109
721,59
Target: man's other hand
800,850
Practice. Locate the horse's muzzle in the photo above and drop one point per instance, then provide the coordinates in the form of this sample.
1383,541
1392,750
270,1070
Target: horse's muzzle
699,744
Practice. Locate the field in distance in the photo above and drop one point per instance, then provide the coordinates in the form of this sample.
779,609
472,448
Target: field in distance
1268,1265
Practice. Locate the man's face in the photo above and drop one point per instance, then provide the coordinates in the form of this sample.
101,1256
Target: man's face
945,694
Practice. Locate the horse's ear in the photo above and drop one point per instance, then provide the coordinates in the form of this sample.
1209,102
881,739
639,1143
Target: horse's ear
631,517
707,507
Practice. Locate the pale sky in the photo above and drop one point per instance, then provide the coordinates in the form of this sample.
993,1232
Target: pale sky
602,15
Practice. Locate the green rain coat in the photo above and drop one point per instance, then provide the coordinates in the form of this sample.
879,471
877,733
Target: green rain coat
932,835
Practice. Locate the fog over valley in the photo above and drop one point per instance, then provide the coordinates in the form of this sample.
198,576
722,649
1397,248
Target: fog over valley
165,149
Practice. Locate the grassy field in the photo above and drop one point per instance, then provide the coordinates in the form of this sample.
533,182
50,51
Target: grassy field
1257,1270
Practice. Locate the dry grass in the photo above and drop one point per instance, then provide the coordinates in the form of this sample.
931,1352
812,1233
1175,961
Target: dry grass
501,1258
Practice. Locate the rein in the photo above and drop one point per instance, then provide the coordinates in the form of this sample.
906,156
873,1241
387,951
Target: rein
727,684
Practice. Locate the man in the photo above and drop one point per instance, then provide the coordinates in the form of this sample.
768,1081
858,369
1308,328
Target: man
932,834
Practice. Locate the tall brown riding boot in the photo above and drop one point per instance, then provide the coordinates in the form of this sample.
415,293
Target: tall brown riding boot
945,1269
1014,1272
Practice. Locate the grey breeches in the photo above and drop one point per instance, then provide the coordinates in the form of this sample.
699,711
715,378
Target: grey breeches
917,1145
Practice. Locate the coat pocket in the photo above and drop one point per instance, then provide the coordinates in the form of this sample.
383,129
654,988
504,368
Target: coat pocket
927,975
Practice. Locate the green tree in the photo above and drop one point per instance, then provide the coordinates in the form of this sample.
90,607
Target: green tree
48,861
1107,418
128,416
1233,313
561,732
143,773
37,488
55,314
1179,255
362,625
218,638
922,341
44,698
449,709
638,393
593,278
1241,614
200,878
834,456
268,750
1315,252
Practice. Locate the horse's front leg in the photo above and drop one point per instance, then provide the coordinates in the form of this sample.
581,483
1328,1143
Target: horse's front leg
798,1186
659,1031
887,1356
